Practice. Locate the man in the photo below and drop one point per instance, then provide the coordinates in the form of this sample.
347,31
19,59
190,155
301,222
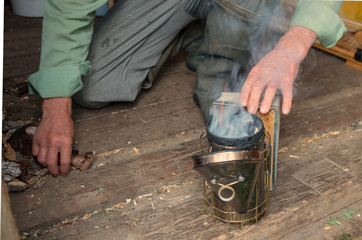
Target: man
135,38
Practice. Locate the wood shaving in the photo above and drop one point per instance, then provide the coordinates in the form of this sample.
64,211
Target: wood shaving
136,150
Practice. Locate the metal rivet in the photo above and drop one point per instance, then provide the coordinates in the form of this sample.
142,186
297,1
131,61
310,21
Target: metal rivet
241,178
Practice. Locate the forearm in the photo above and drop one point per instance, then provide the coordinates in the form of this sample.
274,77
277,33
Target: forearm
55,106
321,17
296,43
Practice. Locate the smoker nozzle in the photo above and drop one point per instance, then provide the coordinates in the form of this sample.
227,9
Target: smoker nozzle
232,175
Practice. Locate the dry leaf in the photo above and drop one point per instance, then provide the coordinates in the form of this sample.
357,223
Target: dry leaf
16,186
21,140
9,152
82,162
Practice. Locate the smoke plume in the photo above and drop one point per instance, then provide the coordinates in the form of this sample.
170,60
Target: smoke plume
235,121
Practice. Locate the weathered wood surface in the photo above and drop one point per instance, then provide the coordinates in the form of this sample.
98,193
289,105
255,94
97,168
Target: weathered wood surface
311,188
145,145
126,178
348,229
9,227
22,43
161,112
157,130
126,175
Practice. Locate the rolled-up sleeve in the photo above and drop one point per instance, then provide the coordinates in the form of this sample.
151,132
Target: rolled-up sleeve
322,18
66,36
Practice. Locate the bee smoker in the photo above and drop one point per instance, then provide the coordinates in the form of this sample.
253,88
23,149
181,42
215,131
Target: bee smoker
239,173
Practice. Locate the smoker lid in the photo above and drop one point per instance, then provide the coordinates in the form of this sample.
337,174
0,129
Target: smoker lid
226,156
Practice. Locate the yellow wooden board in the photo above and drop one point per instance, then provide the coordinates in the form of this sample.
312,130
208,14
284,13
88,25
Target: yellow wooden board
351,10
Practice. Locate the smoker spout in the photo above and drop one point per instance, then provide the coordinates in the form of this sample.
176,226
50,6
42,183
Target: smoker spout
232,176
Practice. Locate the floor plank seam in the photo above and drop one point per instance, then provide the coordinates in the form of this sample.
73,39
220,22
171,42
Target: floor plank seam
166,189
308,185
345,170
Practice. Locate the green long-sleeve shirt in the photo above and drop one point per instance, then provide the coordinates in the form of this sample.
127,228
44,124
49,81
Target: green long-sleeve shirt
68,29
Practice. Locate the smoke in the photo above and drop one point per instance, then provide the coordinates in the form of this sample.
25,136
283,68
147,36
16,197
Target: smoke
229,118
234,121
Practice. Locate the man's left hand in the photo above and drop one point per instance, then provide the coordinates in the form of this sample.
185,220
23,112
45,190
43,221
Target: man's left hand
277,70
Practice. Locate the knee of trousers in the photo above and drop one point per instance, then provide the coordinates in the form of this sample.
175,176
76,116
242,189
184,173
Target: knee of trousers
249,11
235,26
205,106
211,81
83,100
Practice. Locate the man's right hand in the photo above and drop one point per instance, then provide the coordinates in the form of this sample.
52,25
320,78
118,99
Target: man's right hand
53,139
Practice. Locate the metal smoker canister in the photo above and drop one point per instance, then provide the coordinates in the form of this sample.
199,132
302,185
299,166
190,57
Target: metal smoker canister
235,171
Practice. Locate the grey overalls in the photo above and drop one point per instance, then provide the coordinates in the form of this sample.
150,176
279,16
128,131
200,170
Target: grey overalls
135,38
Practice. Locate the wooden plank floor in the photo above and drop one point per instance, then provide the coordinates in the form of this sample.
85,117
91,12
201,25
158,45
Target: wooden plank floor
144,158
